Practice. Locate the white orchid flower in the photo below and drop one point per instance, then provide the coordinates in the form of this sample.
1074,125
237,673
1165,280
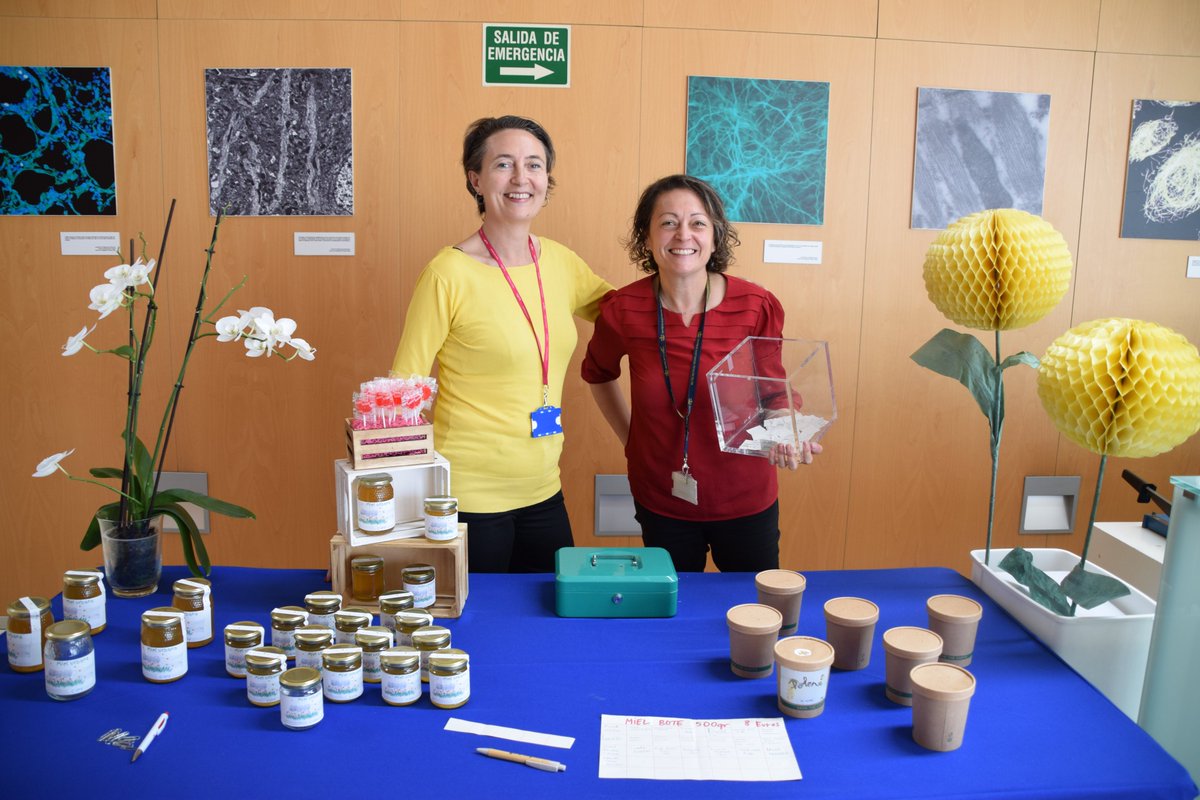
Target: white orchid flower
49,465
229,329
75,343
304,349
126,275
106,298
256,347
276,331
246,318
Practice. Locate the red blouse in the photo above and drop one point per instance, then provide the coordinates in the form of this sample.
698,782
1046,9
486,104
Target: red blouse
729,485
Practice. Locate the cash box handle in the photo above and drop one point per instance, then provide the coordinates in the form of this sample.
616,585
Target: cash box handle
632,557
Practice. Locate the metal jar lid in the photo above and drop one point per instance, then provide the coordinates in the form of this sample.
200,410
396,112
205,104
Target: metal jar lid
448,662
18,609
441,503
68,630
400,659
244,632
184,588
366,563
417,573
375,478
352,618
300,678
342,655
412,619
373,638
266,657
313,637
162,617
81,577
395,600
323,601
430,637
288,617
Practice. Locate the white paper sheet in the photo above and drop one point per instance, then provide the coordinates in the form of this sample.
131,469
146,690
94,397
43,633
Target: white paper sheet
512,734
669,748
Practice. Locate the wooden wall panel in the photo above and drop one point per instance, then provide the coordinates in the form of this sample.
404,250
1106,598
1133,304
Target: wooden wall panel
561,12
1162,27
821,301
1138,278
921,461
106,9
280,9
847,18
594,128
1065,24
49,403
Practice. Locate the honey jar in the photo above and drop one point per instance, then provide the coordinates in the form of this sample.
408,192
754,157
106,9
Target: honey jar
390,603
426,640
350,621
311,640
376,503
401,679
164,645
239,638
421,580
321,607
83,597
28,619
284,621
70,660
366,578
193,596
342,673
301,703
409,621
449,678
373,640
441,518
264,665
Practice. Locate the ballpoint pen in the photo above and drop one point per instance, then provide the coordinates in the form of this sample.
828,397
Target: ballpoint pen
156,729
530,761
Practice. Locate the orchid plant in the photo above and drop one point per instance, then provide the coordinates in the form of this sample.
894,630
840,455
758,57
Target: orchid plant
132,288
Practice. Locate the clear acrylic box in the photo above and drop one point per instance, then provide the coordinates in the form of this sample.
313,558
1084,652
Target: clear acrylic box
763,379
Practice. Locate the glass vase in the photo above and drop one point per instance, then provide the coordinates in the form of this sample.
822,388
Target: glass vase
132,555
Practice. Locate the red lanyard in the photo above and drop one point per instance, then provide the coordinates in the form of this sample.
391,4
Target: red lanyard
544,355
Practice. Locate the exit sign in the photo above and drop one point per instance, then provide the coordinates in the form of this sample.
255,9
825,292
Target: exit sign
527,55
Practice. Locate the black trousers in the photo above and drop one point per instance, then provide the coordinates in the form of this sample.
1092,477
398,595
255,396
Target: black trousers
744,544
520,540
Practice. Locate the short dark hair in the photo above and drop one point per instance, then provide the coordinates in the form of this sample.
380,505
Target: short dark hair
725,237
475,147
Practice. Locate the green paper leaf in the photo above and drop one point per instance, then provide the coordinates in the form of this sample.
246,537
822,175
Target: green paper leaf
1022,357
194,552
143,462
124,351
1043,589
204,501
962,357
1091,589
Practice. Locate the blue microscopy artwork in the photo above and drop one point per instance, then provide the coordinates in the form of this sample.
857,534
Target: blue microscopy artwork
1162,186
761,143
56,141
280,142
978,150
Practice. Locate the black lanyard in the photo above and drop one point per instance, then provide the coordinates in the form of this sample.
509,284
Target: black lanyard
695,371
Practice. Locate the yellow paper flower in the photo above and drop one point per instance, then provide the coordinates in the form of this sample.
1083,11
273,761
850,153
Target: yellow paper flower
997,270
1122,387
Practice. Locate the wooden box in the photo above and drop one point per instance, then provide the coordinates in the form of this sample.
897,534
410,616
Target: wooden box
389,447
411,484
449,561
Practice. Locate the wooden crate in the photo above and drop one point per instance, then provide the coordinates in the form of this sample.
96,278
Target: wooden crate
411,484
449,560
370,448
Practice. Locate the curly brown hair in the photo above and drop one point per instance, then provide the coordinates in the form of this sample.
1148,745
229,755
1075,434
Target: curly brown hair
725,236
475,147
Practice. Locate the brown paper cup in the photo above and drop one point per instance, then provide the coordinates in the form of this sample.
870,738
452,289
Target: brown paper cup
941,697
956,620
850,627
803,675
782,590
906,648
753,629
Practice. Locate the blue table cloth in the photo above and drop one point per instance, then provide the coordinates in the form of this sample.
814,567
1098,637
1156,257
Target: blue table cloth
1035,730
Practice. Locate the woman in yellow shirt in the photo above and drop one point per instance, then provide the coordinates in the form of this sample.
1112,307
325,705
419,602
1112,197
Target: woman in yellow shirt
495,312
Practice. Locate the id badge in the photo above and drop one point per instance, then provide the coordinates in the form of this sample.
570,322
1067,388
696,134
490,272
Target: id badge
545,421
684,486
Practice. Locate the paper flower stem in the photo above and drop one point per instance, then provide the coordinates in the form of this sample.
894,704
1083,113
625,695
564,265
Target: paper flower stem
998,399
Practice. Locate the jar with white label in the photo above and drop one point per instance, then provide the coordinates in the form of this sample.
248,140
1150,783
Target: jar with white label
264,665
441,518
311,641
321,607
70,660
449,678
803,675
342,674
193,596
301,702
408,621
239,638
425,641
376,503
350,621
284,621
83,597
391,603
28,619
401,667
373,640
366,577
421,580
164,645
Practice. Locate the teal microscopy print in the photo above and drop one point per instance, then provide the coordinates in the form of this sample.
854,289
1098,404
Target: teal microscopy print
761,143
56,141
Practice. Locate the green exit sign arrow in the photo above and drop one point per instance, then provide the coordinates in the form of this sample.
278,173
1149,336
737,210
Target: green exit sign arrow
527,55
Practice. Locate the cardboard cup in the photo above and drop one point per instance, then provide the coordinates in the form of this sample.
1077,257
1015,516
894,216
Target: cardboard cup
753,629
906,648
850,627
941,697
782,590
956,620
803,675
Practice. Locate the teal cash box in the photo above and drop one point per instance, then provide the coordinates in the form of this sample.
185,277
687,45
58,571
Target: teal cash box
615,582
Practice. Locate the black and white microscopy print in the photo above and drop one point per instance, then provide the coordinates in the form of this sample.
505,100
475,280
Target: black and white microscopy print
978,150
1162,187
280,142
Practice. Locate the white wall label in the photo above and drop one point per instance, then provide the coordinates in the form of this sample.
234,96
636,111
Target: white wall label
84,243
789,251
323,244
1193,270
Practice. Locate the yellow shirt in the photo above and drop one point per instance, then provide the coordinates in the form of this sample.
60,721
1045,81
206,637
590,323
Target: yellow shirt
463,314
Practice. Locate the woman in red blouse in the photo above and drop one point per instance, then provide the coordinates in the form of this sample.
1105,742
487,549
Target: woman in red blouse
674,325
